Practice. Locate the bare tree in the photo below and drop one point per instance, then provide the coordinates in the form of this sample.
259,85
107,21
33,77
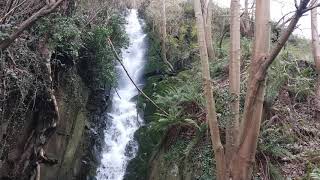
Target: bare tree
253,111
207,16
316,54
246,19
208,93
164,34
240,166
232,130
250,125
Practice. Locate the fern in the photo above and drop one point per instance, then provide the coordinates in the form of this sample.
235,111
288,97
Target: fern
174,117
202,129
315,175
274,172
273,143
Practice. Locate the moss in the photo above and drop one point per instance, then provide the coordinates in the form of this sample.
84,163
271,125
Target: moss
173,163
74,142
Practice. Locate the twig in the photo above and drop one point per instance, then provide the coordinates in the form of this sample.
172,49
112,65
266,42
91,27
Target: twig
310,8
28,22
7,14
146,96
115,89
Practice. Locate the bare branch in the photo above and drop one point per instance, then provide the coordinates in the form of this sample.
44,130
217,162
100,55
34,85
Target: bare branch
312,7
11,11
27,23
124,68
296,4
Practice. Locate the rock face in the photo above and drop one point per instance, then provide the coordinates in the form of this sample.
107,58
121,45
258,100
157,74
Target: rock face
66,145
79,138
76,142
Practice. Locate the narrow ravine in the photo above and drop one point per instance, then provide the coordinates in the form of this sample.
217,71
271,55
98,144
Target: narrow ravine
123,119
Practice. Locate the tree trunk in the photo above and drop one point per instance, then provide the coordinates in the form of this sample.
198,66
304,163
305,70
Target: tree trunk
46,55
316,55
242,163
246,18
207,16
164,35
242,167
208,93
134,4
232,129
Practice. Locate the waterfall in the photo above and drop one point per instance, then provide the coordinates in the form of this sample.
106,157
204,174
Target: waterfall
123,119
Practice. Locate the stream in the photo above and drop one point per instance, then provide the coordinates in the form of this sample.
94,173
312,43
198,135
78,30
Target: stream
123,118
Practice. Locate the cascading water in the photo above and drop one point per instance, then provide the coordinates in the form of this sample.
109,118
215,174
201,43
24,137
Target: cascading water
123,118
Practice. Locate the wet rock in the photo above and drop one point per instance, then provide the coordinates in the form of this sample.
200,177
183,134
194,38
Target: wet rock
131,149
98,100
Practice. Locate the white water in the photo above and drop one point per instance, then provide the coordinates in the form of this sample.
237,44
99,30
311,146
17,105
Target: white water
123,119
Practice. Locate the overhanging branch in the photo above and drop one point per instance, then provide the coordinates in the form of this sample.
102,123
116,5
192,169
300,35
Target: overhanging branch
124,68
27,23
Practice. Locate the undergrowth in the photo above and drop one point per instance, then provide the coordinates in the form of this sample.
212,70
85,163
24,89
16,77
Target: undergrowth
180,132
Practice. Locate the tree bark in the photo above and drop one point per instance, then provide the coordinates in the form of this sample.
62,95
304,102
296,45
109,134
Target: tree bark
246,18
316,55
164,35
208,93
207,16
28,22
242,163
253,112
232,129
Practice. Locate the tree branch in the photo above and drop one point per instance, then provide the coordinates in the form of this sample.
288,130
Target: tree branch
268,59
124,68
2,20
27,23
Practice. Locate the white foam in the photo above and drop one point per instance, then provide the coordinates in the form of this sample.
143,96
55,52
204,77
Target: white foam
124,114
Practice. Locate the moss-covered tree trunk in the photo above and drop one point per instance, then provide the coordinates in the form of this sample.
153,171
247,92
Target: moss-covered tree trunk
164,34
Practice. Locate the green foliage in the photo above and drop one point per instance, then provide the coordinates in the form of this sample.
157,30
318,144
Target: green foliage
154,55
96,54
175,152
202,129
172,94
274,172
217,68
101,53
71,36
288,69
184,90
246,49
3,35
223,51
315,175
203,163
188,9
182,43
64,33
174,117
273,141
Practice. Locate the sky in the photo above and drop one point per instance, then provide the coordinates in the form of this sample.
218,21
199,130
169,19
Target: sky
278,9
